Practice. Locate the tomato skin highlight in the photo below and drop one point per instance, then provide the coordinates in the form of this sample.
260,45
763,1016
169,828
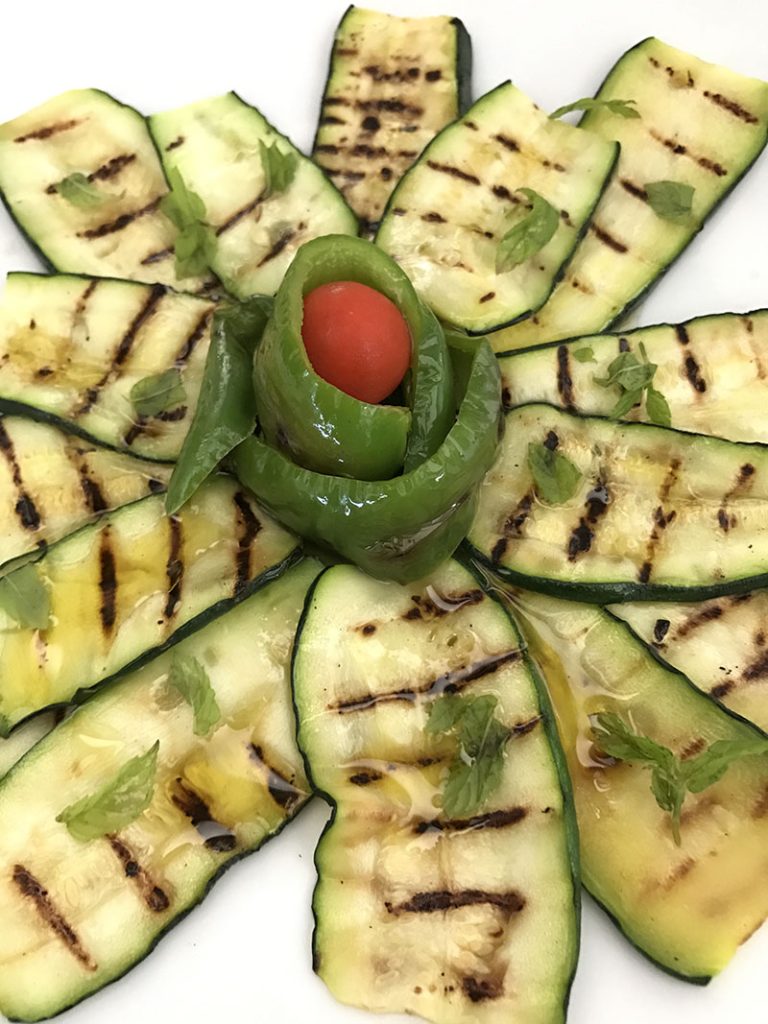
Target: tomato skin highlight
356,339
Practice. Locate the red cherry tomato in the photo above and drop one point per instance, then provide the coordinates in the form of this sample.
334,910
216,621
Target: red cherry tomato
356,339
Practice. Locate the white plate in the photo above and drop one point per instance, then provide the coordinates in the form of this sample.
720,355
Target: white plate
245,955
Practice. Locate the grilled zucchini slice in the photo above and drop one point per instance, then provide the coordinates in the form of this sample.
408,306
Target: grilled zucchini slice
447,216
720,645
393,84
455,920
130,585
15,746
71,349
687,907
700,124
657,514
713,371
216,146
51,484
112,224
76,915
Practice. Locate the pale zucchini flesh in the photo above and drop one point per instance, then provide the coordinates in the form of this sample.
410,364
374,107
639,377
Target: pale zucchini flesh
687,907
51,484
77,915
215,146
87,132
393,84
15,746
712,370
446,218
131,584
470,920
657,513
700,124
72,348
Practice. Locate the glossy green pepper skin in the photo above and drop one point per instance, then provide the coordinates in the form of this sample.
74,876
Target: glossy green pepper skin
320,427
400,528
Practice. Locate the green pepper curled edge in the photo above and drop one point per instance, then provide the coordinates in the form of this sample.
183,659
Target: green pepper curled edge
317,425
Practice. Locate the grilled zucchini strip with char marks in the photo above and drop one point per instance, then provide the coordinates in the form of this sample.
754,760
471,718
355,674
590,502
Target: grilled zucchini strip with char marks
687,907
447,217
712,370
450,918
113,224
657,514
216,145
393,84
76,915
72,348
700,124
132,584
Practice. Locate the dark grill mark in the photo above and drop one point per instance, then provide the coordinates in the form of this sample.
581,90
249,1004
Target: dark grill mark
523,728
757,670
449,682
564,379
174,569
371,123
693,748
472,126
389,106
680,150
281,789
436,607
27,512
179,141
582,536
551,441
191,342
25,507
515,522
346,51
499,550
33,890
434,218
682,334
493,819
711,165
112,167
731,106
722,689
40,134
284,239
487,297
329,119
507,143
725,521
385,173
634,190
602,235
433,76
502,192
156,257
700,618
454,172
444,899
94,498
693,373
239,215
107,583
327,147
623,345
191,804
224,843
365,778
661,520
660,630
155,898
249,530
478,990
120,223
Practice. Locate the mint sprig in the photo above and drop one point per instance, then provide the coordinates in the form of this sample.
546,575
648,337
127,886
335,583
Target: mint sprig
195,244
635,378
623,108
533,230
555,477
192,681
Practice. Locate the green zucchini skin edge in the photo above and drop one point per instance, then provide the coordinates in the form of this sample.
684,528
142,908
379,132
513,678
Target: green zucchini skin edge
558,757
485,332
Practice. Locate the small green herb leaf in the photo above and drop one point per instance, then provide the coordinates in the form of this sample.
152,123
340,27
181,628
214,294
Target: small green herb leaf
79,190
554,476
635,379
584,355
670,200
118,802
189,677
158,393
711,765
657,407
195,245
446,713
624,108
24,597
530,234
279,168
5,727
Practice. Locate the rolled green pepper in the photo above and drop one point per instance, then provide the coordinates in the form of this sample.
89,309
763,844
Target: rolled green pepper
400,528
320,427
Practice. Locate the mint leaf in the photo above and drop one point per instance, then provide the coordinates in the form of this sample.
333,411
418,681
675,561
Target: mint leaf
635,378
445,713
195,245
670,200
476,771
657,407
118,802
530,234
279,168
710,766
158,393
189,677
623,108
24,597
79,190
584,355
555,477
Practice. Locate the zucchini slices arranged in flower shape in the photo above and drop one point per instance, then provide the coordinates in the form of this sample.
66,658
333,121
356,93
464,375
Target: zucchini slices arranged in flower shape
166,641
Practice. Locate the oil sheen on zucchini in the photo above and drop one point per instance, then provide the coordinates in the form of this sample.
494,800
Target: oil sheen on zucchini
131,584
720,645
118,229
71,349
216,146
76,915
393,84
687,907
657,513
446,218
700,124
52,483
456,920
713,371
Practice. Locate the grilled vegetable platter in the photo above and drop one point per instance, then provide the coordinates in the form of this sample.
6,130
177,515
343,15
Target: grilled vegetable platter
344,475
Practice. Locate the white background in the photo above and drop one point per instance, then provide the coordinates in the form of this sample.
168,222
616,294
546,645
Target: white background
245,955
